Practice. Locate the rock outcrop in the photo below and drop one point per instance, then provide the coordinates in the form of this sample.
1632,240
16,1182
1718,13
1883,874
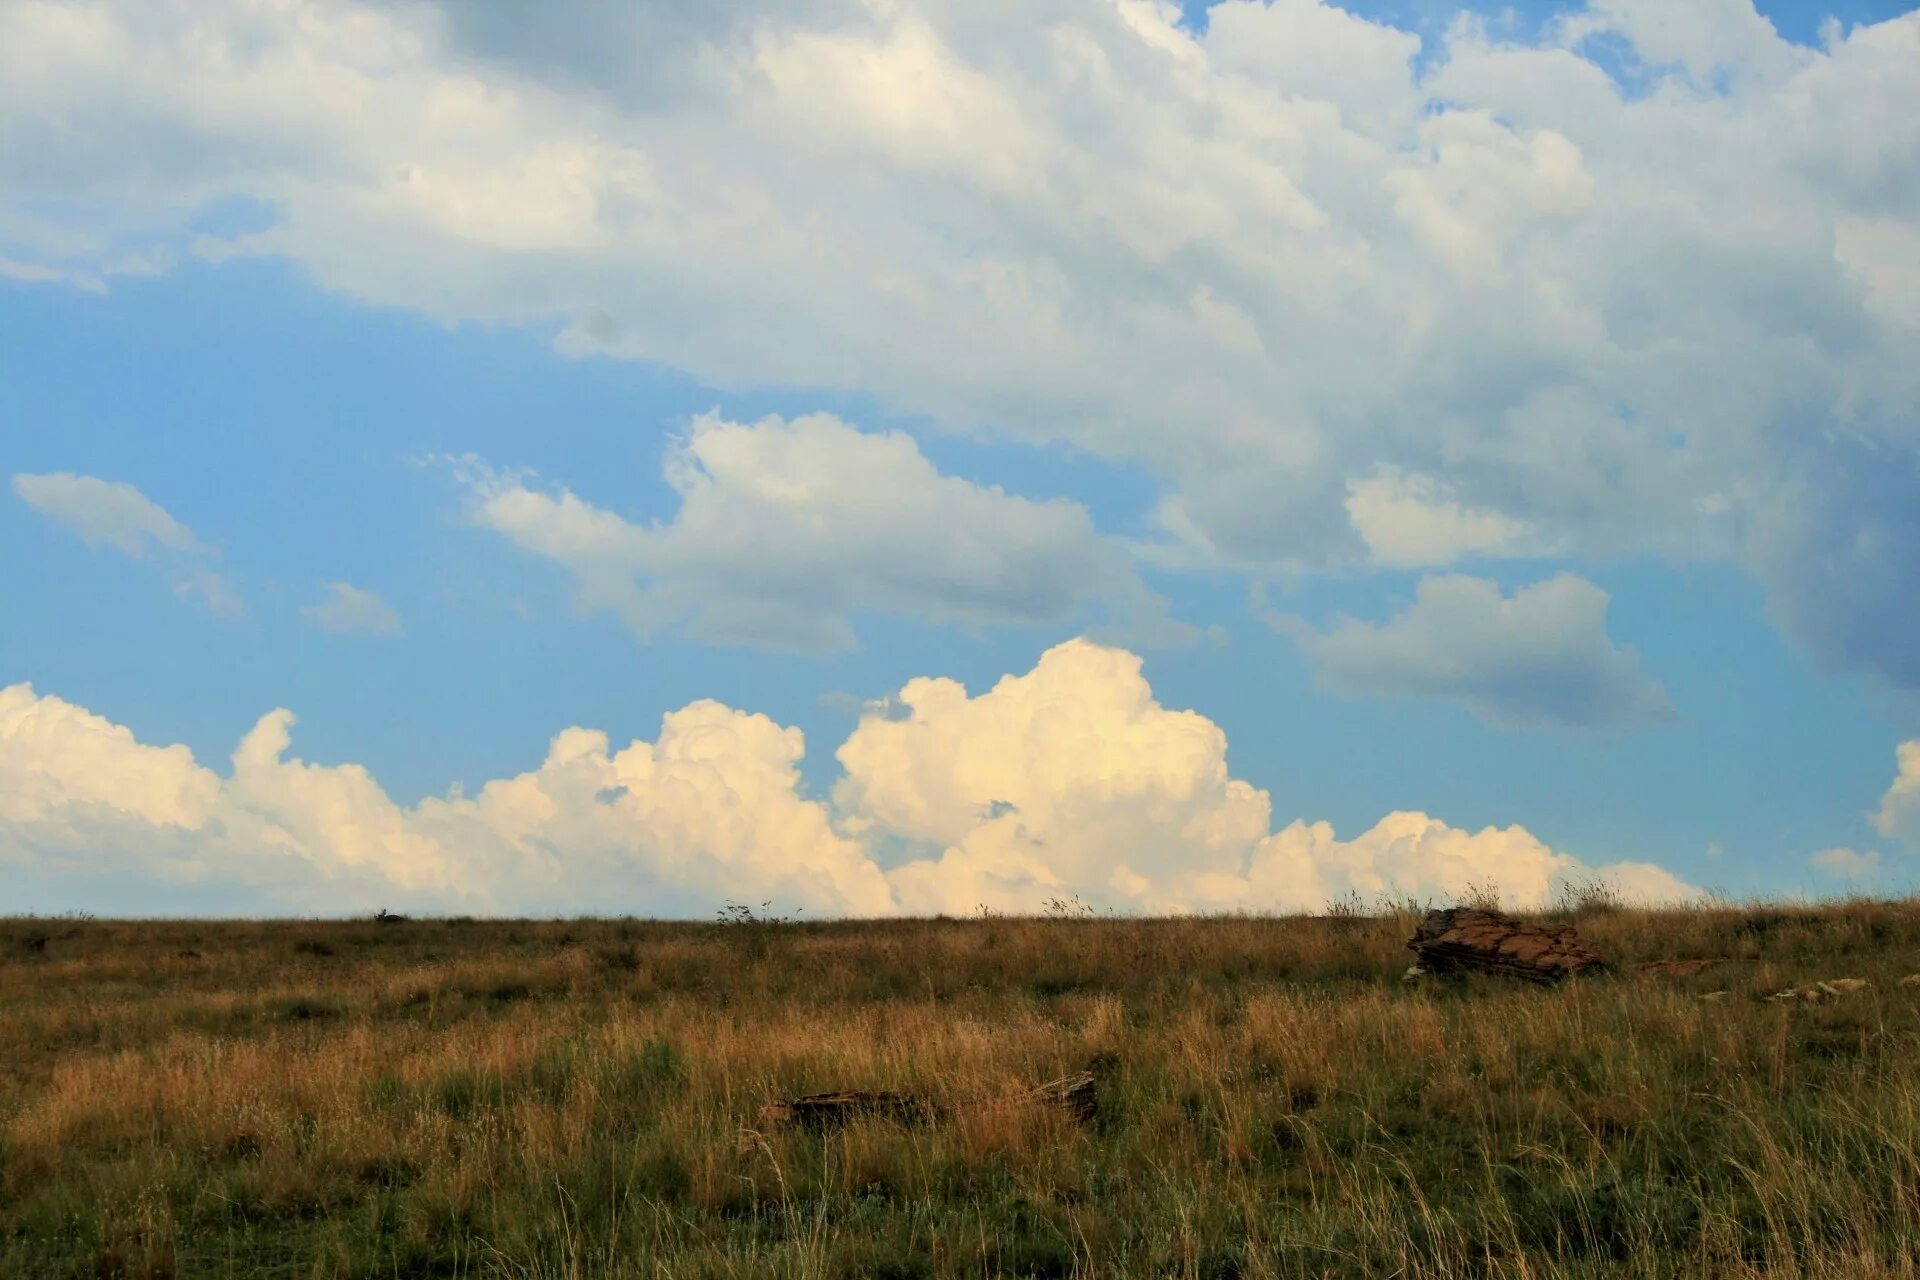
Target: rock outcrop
1476,939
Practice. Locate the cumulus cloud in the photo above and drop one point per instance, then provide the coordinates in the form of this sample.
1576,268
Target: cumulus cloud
348,609
1539,658
112,514
1073,778
789,530
709,809
1899,816
1068,779
1264,263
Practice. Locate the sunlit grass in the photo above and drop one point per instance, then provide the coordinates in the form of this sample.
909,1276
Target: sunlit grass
575,1099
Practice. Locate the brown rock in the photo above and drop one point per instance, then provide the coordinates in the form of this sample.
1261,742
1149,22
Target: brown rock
1474,938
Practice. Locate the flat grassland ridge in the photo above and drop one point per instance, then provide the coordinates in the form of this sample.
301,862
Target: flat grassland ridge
580,1099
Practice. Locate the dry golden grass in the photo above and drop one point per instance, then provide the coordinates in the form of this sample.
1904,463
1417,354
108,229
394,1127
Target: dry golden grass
568,1099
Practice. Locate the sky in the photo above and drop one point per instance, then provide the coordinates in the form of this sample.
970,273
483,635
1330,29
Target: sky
878,457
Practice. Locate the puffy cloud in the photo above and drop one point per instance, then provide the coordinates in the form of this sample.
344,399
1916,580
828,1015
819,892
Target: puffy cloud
1266,264
1899,816
1305,49
57,759
1847,864
1411,854
1884,256
1072,778
708,810
788,530
1702,38
107,513
1069,779
349,609
1540,658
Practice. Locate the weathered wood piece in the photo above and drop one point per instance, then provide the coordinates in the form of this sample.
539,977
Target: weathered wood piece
1078,1095
1473,938
1819,992
832,1110
1682,968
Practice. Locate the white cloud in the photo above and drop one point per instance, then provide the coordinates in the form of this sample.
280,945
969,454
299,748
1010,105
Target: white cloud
102,512
1073,779
710,809
1539,658
1899,816
1412,521
37,273
1305,49
1264,265
789,530
1703,36
1070,779
1883,255
107,513
1847,864
348,609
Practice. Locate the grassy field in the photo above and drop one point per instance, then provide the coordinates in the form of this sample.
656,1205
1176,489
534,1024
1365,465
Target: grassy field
577,1099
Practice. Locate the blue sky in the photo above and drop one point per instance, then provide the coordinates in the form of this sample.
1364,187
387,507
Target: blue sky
786,421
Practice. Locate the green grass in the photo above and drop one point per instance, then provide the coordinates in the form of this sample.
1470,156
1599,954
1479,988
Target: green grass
577,1099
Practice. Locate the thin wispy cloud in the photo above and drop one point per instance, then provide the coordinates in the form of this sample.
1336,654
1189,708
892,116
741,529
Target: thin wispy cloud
349,610
117,515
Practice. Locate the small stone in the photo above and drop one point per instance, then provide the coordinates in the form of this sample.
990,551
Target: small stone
1911,980
1713,997
1414,973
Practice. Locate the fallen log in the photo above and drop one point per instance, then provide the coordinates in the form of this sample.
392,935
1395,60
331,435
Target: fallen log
1078,1095
822,1111
1476,939
1685,968
1819,992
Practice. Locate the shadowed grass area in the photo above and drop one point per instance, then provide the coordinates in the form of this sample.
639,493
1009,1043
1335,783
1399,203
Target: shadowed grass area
572,1099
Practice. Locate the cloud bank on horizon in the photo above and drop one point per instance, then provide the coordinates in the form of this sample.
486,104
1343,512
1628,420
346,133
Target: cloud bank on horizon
1627,285
1068,780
